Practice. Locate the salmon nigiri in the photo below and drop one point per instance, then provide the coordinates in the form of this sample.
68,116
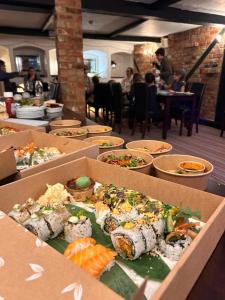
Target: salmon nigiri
78,245
83,256
100,263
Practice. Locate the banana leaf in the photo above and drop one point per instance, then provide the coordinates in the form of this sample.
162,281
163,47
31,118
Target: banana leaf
116,278
149,266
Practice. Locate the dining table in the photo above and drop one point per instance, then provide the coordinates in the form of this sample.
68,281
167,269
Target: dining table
176,99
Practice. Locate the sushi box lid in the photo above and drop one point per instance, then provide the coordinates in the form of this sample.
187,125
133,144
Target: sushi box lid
18,126
71,149
181,278
7,163
30,269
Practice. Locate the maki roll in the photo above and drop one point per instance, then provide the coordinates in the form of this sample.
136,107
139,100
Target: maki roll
112,221
101,211
157,222
21,213
128,241
149,236
77,227
47,223
55,220
174,248
38,226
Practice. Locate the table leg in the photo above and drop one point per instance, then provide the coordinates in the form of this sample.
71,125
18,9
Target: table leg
190,127
166,119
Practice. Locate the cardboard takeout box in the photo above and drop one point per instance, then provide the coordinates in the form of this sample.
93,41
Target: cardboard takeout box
72,149
176,285
20,127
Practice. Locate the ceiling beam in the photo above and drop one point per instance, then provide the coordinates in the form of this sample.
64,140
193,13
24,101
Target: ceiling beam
144,11
127,27
163,3
23,31
126,38
35,7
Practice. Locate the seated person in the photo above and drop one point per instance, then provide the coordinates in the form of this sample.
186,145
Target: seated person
178,84
154,107
30,80
95,82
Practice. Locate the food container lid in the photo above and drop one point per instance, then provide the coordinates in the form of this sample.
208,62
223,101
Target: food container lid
8,94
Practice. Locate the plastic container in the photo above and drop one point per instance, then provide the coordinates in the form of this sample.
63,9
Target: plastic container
8,97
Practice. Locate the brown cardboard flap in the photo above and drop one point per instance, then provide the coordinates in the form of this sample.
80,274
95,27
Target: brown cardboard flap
7,163
30,269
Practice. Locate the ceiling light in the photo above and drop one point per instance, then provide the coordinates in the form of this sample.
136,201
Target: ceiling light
219,38
113,64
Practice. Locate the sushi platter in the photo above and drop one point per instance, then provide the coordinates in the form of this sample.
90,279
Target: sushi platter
119,228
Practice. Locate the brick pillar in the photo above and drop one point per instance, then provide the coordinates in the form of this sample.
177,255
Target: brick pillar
69,48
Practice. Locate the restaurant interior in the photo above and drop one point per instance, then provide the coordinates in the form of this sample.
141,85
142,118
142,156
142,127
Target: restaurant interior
128,95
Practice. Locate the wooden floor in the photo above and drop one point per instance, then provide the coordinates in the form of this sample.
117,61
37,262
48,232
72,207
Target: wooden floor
206,144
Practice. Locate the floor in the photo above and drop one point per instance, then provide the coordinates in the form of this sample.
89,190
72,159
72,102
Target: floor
206,144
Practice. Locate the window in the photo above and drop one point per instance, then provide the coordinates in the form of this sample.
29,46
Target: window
91,63
23,62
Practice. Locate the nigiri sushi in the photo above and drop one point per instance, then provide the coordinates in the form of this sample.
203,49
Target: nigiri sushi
78,245
98,264
83,256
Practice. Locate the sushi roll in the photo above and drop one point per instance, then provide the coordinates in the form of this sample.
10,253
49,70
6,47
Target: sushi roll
55,220
76,228
128,241
149,236
159,226
101,210
112,221
38,226
21,213
174,248
78,245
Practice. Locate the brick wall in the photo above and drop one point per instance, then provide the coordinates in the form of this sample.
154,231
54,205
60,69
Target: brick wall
185,48
144,55
69,45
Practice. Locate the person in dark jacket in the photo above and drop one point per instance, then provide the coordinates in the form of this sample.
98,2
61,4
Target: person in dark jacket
154,107
5,77
165,67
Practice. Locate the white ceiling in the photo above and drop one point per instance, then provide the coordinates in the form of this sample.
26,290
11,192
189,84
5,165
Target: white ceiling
22,19
105,24
216,7
159,28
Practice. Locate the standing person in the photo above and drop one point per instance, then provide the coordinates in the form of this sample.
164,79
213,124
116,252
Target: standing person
154,107
5,77
165,67
127,81
30,80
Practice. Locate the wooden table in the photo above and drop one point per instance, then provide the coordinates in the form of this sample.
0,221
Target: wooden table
167,100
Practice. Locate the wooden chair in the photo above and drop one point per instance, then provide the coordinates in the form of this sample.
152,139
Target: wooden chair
116,105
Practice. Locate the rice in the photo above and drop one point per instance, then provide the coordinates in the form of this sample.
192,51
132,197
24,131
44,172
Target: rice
75,231
174,250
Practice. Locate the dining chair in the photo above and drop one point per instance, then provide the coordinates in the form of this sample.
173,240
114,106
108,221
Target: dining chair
102,96
140,108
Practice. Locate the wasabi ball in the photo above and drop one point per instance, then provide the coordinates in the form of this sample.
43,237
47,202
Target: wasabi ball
83,182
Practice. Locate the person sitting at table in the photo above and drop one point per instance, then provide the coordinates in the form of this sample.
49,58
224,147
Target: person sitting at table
165,65
154,107
127,81
5,77
178,84
30,80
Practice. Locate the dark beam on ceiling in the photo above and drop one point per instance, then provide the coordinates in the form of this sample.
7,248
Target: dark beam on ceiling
38,7
23,31
127,27
122,38
163,3
144,11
